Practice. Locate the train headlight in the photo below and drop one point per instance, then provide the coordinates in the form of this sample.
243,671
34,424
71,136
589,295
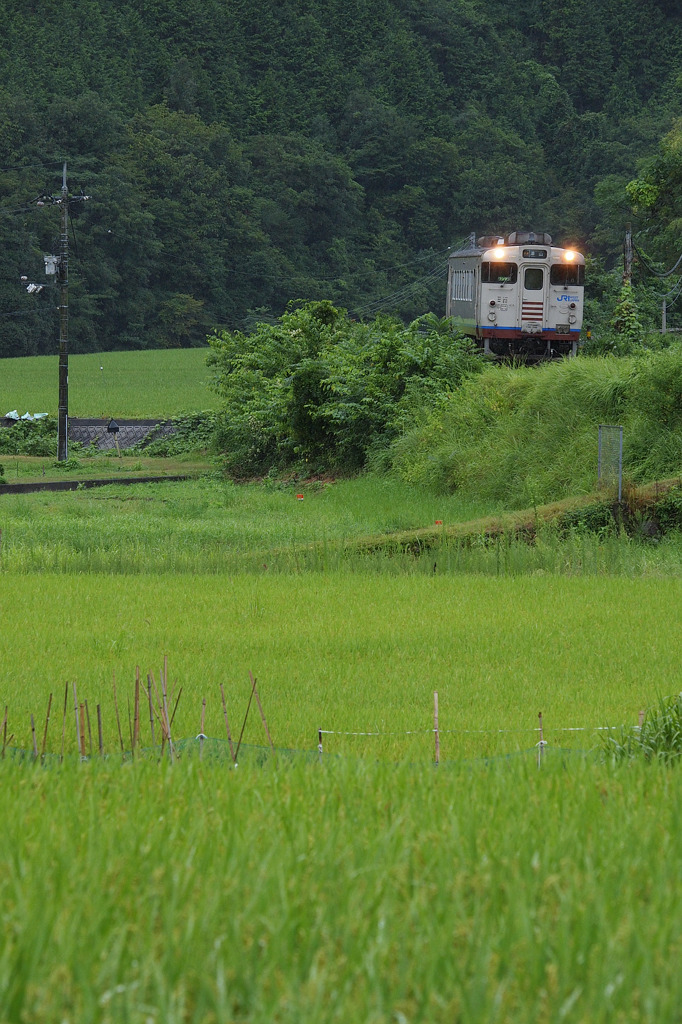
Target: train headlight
572,318
492,315
498,253
569,255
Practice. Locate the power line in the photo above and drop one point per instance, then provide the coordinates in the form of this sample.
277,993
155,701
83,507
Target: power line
394,297
647,265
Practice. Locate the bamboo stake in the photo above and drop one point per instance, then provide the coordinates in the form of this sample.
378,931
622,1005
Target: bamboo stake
201,730
118,720
265,724
248,708
177,701
99,730
82,729
47,722
159,713
151,709
541,744
4,731
165,706
319,744
33,734
66,697
130,730
78,726
435,726
136,721
227,724
87,718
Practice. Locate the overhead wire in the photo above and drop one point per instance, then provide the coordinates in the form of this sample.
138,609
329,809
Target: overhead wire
650,268
391,299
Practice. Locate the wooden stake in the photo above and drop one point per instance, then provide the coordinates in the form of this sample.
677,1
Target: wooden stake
130,730
177,701
227,724
151,709
78,725
99,730
159,714
201,730
82,726
66,698
87,719
248,708
165,706
47,722
641,718
319,743
33,734
136,722
435,726
118,720
265,724
4,732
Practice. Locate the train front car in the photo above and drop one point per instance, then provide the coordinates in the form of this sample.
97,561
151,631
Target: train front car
518,296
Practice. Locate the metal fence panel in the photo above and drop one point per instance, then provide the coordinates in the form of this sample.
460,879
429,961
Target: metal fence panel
610,458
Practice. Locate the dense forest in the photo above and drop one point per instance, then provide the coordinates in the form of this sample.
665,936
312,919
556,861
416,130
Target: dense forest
241,155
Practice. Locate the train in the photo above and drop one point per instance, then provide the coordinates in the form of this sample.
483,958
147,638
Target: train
518,295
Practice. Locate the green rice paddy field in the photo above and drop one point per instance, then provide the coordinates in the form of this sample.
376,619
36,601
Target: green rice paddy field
366,885
136,385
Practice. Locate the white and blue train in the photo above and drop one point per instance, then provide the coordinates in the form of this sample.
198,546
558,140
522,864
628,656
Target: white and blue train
518,295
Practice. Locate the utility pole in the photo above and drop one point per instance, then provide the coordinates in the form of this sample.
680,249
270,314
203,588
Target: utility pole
59,265
63,275
627,256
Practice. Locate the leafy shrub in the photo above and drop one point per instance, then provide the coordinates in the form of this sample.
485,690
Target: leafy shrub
318,388
668,510
68,464
192,432
30,437
658,739
625,319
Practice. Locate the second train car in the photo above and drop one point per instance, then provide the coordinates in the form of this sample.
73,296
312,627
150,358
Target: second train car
518,295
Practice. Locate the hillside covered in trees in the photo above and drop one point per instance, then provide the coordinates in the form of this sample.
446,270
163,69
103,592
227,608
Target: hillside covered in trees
240,155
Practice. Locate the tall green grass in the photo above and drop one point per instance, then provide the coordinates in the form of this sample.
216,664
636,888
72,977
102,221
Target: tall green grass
529,435
215,526
210,525
135,385
373,893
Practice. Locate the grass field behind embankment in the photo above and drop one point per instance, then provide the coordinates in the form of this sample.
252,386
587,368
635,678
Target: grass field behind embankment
154,384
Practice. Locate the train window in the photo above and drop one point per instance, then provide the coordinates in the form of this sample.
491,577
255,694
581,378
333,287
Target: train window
533,279
499,273
565,274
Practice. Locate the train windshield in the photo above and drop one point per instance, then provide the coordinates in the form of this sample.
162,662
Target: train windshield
567,274
499,273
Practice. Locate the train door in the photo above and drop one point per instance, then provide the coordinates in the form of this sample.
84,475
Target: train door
532,299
